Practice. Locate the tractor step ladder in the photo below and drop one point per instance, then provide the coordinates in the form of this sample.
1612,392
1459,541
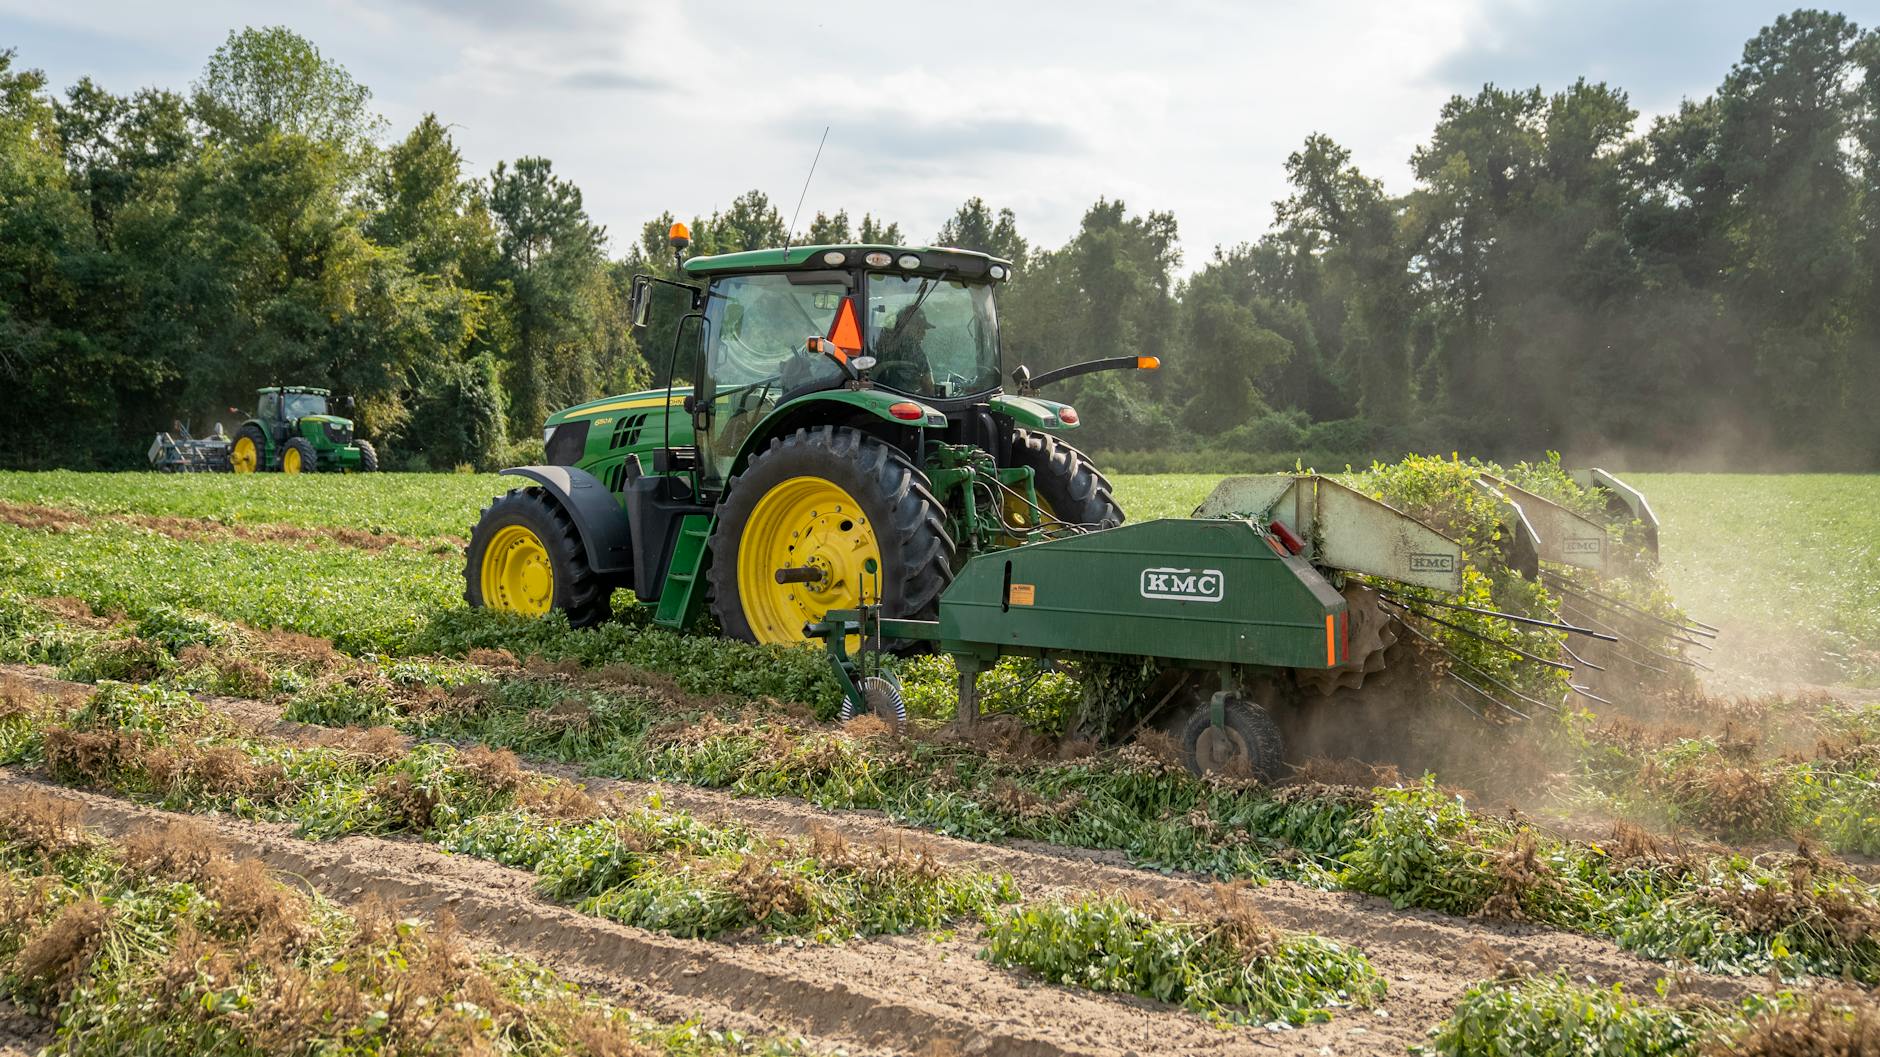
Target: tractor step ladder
680,599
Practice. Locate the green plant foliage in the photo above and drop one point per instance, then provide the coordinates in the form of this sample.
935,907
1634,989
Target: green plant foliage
266,969
1245,974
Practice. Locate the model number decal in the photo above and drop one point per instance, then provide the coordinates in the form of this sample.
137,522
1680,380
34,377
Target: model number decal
1184,585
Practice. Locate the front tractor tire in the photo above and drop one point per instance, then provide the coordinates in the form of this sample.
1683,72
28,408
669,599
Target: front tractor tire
249,452
298,456
368,456
1070,490
819,505
526,557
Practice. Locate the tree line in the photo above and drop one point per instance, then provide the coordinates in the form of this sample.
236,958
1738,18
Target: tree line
1705,289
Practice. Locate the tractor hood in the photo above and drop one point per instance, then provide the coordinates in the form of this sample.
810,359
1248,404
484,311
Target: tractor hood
328,420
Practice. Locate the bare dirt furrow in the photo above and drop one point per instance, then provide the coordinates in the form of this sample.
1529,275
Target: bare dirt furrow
897,995
22,1034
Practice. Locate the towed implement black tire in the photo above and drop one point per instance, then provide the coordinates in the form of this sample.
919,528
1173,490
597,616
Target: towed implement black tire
368,456
526,557
1069,487
825,500
1248,745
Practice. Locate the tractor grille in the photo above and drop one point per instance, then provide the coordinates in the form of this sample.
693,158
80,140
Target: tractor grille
338,434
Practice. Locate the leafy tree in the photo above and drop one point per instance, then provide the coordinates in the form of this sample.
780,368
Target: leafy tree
272,80
973,227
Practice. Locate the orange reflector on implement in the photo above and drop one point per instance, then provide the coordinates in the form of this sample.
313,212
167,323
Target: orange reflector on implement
1331,641
1148,363
845,331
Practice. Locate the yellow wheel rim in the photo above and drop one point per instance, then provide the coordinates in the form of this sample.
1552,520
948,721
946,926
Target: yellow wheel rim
804,522
242,457
1019,519
517,574
290,461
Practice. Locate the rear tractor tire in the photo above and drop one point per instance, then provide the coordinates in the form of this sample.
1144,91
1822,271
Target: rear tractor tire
298,456
368,457
249,452
526,557
820,506
1070,490
1246,745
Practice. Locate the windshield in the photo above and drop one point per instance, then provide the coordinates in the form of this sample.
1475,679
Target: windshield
932,337
301,404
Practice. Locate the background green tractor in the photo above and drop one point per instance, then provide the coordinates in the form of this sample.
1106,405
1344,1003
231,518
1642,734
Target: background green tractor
835,431
292,432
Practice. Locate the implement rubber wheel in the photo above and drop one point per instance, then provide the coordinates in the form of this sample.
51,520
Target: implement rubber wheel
368,457
1246,745
1070,490
299,457
526,557
824,502
245,455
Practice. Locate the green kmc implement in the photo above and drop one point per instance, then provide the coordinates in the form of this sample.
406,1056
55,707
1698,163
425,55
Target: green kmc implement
838,454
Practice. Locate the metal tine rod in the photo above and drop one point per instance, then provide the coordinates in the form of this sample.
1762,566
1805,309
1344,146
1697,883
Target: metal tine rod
1568,628
1516,650
1566,586
1579,660
1672,657
1487,676
1466,706
1584,692
1498,701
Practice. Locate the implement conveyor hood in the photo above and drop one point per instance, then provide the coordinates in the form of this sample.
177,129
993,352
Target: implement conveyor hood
1342,528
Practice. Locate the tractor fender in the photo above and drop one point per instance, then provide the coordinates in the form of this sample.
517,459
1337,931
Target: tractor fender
596,515
830,405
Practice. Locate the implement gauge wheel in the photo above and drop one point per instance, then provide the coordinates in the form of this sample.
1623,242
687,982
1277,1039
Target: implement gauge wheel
526,557
1246,745
817,507
246,454
1070,490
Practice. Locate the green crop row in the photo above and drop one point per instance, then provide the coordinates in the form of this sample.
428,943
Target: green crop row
1217,957
1553,1016
1412,845
165,944
642,866
649,867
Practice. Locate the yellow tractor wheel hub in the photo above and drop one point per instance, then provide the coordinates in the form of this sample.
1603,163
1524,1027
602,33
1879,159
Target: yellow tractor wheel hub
290,461
805,522
517,575
243,458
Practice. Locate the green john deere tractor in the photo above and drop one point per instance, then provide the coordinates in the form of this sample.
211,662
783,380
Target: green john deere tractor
837,456
292,432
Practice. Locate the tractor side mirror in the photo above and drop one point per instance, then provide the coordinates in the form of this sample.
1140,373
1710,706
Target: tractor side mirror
1021,379
348,403
639,303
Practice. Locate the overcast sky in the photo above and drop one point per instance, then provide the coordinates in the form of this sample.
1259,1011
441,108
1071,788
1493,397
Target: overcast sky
1185,105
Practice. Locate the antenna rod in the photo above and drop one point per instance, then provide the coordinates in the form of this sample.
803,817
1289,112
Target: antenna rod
791,235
